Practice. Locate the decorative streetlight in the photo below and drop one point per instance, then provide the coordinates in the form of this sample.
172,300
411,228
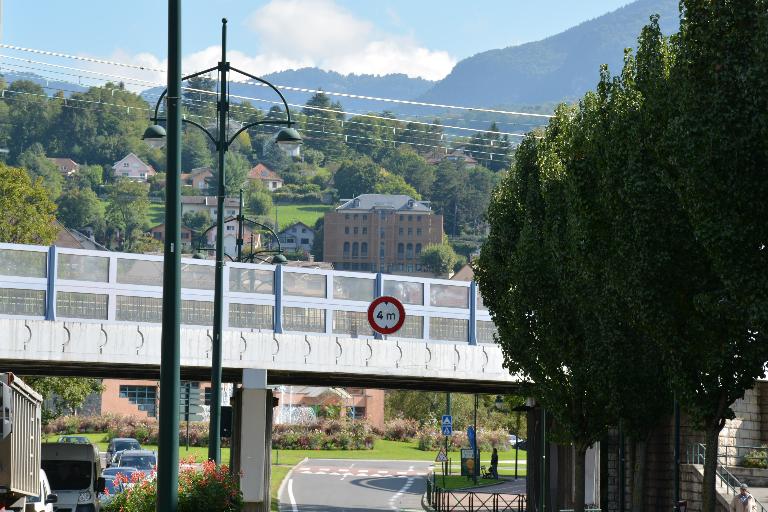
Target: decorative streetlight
288,139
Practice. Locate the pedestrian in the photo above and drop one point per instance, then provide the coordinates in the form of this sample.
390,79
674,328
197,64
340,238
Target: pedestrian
495,464
743,502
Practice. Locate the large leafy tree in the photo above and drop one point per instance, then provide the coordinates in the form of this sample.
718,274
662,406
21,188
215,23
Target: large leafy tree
33,159
78,208
63,395
322,126
28,216
127,212
30,116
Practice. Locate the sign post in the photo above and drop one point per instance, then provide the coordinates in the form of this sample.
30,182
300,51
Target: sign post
386,315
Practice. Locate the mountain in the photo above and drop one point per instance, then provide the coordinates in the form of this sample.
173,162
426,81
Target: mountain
560,67
50,86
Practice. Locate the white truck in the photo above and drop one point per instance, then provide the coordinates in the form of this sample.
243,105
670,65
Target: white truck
19,443
74,474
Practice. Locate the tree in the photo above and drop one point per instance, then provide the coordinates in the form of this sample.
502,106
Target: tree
493,149
29,212
236,168
63,395
30,116
78,208
439,259
38,166
198,222
127,211
317,242
90,176
322,126
195,150
413,168
356,177
388,183
259,199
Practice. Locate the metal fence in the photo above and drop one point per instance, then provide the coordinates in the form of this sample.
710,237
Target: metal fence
442,500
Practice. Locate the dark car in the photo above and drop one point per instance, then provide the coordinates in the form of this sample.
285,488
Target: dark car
119,444
143,460
126,471
74,439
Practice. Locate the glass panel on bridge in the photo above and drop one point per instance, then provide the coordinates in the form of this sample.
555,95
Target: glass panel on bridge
81,305
140,272
407,293
480,303
413,327
251,316
200,277
139,309
251,280
304,285
448,296
352,288
196,312
485,331
353,323
448,329
22,302
83,268
304,319
23,263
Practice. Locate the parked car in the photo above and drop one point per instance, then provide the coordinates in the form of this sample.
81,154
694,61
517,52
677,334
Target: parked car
119,444
45,500
74,439
143,460
112,472
112,487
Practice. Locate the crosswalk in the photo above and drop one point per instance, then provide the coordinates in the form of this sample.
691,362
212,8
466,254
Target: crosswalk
359,472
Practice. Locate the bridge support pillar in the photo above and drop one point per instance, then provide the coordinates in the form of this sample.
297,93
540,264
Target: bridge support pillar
251,451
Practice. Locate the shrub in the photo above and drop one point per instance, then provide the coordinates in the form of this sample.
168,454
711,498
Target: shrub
324,435
401,430
757,458
213,487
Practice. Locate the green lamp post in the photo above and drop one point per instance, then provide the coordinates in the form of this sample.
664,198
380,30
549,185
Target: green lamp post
288,139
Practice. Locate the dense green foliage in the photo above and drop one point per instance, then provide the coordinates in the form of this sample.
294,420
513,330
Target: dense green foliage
28,213
628,244
63,395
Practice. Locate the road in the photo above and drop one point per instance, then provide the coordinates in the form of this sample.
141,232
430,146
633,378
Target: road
355,486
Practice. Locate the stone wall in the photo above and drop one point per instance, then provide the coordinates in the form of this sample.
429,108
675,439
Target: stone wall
748,428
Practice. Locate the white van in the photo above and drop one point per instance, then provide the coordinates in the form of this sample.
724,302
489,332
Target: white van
44,501
73,471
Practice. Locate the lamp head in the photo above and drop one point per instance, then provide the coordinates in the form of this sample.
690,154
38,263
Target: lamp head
154,136
279,259
289,140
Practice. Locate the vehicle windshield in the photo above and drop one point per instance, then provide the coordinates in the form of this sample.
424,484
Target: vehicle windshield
138,461
127,445
68,475
112,486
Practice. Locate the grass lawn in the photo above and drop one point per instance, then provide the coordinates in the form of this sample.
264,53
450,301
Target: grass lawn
278,474
461,482
287,214
157,213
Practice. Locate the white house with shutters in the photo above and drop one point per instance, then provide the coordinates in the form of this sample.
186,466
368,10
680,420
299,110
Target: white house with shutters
133,168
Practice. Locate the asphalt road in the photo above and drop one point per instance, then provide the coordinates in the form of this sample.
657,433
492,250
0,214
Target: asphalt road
355,486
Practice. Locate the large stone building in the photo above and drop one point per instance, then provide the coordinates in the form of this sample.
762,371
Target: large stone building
380,233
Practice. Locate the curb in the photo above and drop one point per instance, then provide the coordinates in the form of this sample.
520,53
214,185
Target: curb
285,480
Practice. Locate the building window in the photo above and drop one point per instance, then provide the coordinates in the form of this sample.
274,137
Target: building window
346,230
354,230
381,251
290,240
185,236
303,230
381,232
400,251
159,236
354,216
410,218
125,164
305,241
365,217
410,231
346,216
418,231
346,249
230,228
365,231
409,251
418,218
402,218
400,231
355,250
144,397
418,249
364,249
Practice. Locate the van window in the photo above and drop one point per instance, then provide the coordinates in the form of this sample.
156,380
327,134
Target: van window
127,445
68,475
138,461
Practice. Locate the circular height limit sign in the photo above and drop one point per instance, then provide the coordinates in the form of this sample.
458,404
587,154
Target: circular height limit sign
386,315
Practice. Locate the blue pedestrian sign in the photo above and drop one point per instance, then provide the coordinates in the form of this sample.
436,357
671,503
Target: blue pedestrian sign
446,425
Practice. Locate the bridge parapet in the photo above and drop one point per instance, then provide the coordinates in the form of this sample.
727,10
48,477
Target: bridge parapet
103,288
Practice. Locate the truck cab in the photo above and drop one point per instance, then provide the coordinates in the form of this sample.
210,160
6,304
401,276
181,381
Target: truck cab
73,471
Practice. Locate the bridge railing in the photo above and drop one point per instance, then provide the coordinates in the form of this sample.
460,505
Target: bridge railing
40,282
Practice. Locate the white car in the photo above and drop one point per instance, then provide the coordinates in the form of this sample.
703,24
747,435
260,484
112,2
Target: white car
45,500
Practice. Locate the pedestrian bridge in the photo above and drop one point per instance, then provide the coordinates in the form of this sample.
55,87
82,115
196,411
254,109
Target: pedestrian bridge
69,311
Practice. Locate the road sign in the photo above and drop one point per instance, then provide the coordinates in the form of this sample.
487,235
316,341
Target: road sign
386,315
441,456
446,425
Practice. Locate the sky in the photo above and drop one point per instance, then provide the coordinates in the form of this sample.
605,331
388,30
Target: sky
421,38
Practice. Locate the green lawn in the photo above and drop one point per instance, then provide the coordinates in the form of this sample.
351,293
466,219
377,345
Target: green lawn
278,474
156,213
288,214
461,482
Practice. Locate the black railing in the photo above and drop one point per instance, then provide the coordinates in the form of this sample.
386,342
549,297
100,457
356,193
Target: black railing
442,500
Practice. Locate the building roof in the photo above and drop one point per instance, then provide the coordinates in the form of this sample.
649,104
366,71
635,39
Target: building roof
74,239
209,201
65,162
197,170
295,224
465,273
262,172
398,202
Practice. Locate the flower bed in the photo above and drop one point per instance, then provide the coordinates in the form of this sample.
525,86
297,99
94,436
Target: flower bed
324,435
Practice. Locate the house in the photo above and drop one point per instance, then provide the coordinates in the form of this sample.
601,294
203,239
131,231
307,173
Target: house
270,179
250,239
297,237
455,156
197,178
133,168
66,166
209,204
158,233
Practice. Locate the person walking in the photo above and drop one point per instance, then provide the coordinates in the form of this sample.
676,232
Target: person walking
743,502
495,464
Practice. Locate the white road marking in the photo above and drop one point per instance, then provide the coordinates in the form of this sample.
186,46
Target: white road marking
347,472
395,497
294,508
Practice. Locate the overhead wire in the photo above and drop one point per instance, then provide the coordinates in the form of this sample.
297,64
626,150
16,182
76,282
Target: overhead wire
287,87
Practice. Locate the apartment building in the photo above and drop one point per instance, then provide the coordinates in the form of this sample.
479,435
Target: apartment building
380,233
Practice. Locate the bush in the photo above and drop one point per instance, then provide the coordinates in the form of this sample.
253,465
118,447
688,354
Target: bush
213,488
324,435
756,458
401,430
430,439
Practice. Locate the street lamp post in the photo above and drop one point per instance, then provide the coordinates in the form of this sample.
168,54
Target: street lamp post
289,141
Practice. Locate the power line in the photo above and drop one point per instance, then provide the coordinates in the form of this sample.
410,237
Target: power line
289,88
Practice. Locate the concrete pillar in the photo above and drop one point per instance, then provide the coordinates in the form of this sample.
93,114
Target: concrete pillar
252,439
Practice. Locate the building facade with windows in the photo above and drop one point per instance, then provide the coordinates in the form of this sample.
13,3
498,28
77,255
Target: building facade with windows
133,168
380,233
297,237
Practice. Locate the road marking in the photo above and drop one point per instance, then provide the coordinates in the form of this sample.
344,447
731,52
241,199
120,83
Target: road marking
395,497
347,472
294,508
